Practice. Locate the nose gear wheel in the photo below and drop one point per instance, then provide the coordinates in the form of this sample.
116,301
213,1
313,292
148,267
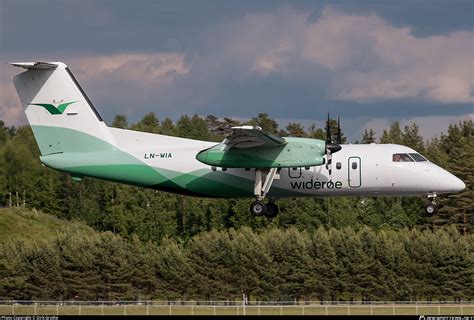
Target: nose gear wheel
431,207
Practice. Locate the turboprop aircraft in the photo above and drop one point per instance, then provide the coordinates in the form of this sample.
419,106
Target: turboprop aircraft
72,137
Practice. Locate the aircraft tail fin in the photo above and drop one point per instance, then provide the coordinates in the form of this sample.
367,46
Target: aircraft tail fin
61,115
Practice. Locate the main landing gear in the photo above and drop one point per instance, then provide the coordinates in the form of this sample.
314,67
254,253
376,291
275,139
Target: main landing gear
431,207
258,207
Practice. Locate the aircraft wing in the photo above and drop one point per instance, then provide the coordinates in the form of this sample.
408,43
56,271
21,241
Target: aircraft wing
253,147
251,137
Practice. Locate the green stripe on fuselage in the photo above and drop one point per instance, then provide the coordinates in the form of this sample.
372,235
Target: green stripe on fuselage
102,160
67,140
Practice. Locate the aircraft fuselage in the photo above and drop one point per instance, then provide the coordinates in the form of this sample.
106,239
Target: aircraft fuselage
169,164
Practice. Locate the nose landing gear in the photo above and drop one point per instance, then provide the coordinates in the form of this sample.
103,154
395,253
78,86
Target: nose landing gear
431,207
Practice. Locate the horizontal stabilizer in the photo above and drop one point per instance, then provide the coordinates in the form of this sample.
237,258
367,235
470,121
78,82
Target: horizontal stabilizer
34,65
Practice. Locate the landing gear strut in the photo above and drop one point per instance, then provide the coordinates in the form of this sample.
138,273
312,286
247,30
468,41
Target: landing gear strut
431,207
258,207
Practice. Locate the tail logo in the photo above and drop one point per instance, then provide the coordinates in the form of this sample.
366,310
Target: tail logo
52,109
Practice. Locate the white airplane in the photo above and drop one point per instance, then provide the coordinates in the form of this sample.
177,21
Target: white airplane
250,162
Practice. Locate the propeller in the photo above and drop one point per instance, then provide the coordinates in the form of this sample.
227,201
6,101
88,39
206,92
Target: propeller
332,147
339,139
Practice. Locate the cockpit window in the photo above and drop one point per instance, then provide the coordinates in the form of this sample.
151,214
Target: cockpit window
401,157
417,157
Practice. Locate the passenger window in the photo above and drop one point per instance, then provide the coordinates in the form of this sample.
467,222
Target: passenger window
338,165
401,157
354,165
417,157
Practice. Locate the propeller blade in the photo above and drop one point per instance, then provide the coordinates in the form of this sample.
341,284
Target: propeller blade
328,131
339,139
331,147
329,163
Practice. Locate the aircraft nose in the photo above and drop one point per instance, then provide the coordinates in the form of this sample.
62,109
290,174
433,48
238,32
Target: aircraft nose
457,184
448,182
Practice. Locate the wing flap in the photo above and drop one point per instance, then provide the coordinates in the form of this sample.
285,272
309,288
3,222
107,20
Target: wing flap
243,137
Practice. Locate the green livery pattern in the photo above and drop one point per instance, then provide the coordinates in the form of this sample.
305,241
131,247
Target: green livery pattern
102,160
52,109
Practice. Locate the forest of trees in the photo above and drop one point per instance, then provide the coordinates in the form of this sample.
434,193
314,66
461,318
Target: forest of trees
157,244
272,264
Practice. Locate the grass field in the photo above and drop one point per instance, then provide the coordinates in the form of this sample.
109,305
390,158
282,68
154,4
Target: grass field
397,309
31,225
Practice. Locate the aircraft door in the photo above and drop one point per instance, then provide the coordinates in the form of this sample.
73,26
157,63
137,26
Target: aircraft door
354,172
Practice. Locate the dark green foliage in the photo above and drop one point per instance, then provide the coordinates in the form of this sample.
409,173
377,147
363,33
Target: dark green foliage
393,135
316,133
368,136
276,264
167,127
13,271
120,121
458,145
291,262
264,121
149,123
5,132
168,246
411,138
295,130
192,128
